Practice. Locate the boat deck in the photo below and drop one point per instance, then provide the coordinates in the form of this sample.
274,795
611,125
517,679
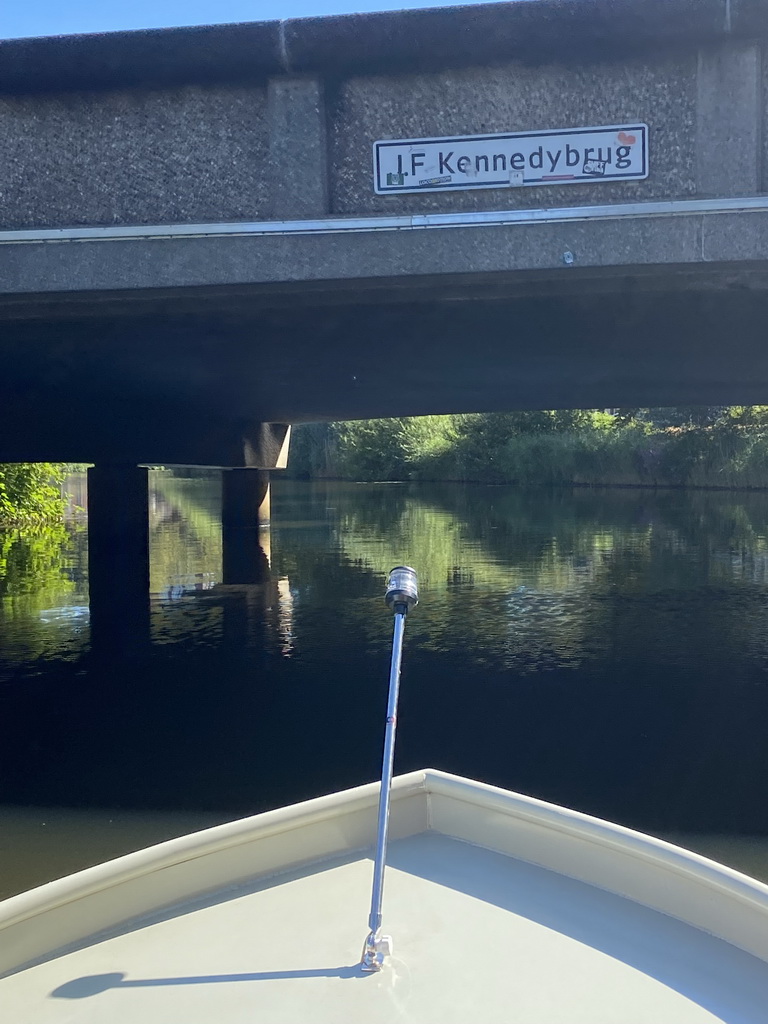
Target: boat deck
478,936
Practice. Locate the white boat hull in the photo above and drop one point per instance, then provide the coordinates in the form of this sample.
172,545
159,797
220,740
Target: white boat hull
503,908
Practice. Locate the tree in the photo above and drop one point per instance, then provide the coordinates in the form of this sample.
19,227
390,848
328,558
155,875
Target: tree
30,493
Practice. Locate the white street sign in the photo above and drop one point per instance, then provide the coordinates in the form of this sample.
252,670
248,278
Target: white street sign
558,157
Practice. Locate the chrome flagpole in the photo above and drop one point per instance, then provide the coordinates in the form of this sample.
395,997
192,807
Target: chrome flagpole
402,595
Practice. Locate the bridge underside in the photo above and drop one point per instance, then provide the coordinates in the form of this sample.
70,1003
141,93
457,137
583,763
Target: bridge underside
186,376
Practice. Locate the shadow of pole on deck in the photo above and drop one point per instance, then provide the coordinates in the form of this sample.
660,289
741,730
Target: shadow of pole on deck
93,984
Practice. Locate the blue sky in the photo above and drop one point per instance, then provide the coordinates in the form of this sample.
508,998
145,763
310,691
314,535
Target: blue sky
60,17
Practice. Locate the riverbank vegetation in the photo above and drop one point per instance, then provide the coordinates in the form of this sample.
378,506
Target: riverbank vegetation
30,493
713,446
685,447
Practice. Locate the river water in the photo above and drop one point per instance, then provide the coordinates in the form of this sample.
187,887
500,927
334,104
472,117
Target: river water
607,650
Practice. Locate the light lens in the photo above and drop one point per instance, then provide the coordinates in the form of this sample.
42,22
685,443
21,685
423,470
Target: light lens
402,587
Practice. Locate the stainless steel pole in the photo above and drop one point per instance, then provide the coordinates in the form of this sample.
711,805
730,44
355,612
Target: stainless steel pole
374,919
402,594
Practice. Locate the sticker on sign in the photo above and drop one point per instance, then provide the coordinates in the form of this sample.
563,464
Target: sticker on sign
552,157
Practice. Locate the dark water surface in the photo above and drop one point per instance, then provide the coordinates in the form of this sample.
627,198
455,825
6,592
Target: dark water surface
605,650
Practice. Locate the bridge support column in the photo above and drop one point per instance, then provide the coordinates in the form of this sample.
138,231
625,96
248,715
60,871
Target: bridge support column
118,557
245,512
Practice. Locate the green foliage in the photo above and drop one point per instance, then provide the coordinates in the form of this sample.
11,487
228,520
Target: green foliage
681,416
31,563
711,446
313,451
404,448
372,450
39,570
745,416
30,493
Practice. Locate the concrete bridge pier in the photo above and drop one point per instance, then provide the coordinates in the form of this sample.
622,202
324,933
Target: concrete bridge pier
245,514
118,557
245,505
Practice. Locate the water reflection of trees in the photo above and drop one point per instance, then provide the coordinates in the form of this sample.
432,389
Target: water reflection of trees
185,556
537,580
185,532
498,588
42,585
596,648
523,580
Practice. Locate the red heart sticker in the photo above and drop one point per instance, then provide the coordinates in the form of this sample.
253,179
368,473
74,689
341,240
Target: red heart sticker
628,140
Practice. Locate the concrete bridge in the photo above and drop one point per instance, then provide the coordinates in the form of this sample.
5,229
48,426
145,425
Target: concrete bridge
191,243
197,249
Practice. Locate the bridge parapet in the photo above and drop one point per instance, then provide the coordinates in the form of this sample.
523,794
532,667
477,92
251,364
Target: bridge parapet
277,120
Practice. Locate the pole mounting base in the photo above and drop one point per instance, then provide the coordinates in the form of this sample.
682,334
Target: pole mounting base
375,950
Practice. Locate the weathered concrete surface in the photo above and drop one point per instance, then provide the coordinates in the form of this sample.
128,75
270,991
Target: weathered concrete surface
228,123
391,42
516,97
297,173
118,361
332,261
729,120
177,349
189,154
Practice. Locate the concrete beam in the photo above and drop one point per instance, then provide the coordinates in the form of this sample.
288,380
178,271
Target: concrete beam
213,261
134,423
297,176
267,447
729,120
134,384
